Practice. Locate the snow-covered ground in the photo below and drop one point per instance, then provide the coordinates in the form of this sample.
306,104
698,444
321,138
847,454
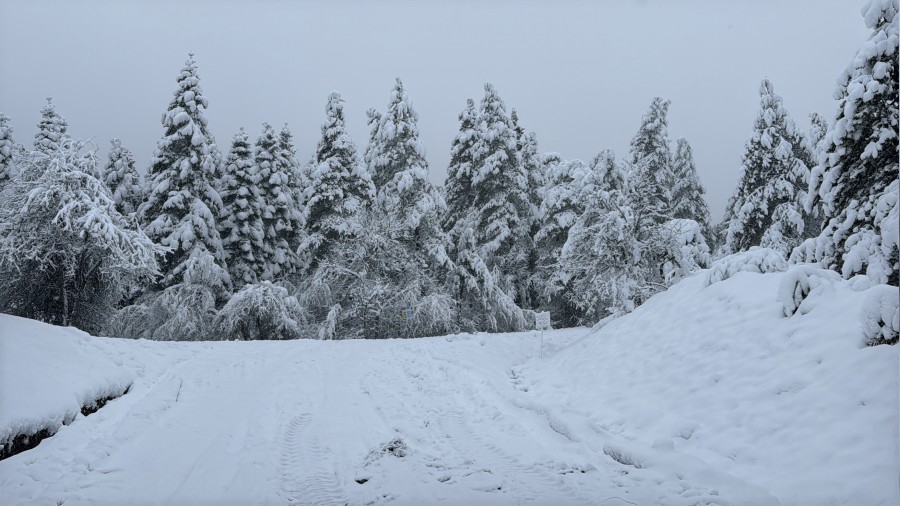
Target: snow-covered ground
704,395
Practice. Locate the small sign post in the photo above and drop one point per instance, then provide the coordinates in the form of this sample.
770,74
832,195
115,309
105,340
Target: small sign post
542,321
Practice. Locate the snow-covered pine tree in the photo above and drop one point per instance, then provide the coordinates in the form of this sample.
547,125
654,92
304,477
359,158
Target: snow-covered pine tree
67,256
339,191
818,127
265,168
601,259
286,160
687,191
52,129
458,185
858,167
241,225
560,208
122,179
650,159
531,182
767,207
400,174
482,305
576,188
6,150
532,177
181,204
501,207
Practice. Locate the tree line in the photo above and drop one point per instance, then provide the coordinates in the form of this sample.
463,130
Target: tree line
252,243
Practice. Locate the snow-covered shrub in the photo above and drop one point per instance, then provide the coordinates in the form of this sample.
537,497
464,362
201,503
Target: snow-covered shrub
881,315
132,321
182,312
798,282
758,260
685,249
261,311
375,286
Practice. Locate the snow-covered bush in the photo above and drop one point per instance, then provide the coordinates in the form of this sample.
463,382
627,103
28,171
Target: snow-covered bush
376,287
759,260
881,315
798,282
685,249
182,312
261,311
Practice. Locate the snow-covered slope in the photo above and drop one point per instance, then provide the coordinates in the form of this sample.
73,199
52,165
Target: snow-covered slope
48,373
704,395
794,404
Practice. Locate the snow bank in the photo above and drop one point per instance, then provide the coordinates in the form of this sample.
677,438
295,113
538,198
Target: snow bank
796,405
48,373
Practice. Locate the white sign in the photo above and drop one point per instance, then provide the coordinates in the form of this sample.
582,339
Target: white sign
542,320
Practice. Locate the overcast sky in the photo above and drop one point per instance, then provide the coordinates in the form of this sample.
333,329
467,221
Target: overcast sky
580,73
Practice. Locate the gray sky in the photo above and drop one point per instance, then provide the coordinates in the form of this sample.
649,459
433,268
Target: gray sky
580,73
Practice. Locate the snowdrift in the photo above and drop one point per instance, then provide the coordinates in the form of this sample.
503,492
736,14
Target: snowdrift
714,369
48,374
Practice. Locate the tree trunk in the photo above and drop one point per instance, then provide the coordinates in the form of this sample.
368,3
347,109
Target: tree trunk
65,302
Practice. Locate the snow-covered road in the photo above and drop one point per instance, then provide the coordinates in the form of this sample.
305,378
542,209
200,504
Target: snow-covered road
313,423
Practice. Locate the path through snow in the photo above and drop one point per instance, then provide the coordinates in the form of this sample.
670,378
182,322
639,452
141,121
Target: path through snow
312,423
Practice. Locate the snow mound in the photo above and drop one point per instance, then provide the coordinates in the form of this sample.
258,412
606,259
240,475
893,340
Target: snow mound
48,373
796,406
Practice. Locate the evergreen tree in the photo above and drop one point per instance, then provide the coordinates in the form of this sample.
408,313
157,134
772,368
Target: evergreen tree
286,161
532,175
279,207
52,129
651,168
482,304
818,127
339,192
458,186
400,174
181,206
601,259
859,168
560,208
7,149
501,208
574,189
122,179
766,208
406,201
241,224
687,192
531,183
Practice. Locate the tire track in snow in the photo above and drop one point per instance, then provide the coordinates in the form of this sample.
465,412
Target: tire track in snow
307,479
552,483
526,483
